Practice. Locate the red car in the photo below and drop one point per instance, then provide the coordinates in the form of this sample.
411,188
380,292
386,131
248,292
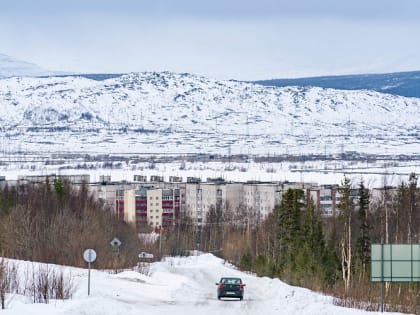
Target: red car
230,287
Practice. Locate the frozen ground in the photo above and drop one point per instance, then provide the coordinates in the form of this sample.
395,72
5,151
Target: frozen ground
178,286
375,173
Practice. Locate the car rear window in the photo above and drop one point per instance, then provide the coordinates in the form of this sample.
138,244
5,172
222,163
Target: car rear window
231,281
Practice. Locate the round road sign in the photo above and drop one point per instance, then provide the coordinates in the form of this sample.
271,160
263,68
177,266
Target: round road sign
89,255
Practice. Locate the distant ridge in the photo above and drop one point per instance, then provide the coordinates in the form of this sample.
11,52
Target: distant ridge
397,83
92,76
163,112
11,67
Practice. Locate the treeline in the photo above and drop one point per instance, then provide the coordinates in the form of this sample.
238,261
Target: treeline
330,255
56,222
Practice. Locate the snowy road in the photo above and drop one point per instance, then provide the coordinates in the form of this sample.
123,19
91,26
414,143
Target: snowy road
179,286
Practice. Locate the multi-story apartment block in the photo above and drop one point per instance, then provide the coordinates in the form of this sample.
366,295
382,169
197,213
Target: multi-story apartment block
51,178
325,198
201,197
111,194
196,198
135,205
160,203
119,203
384,194
153,206
259,199
163,207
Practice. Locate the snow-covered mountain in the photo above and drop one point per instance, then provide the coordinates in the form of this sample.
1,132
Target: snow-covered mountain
177,113
11,67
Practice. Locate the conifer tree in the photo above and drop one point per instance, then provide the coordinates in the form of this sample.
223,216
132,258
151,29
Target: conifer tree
289,233
363,241
412,213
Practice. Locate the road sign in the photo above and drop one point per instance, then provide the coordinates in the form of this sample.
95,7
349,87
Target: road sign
145,255
89,255
116,242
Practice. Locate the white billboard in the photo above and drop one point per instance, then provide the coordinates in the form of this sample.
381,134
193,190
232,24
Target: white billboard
395,262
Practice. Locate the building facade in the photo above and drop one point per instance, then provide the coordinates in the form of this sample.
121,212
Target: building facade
201,197
148,205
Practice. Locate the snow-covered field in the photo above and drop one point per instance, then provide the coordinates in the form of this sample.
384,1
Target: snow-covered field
374,173
177,286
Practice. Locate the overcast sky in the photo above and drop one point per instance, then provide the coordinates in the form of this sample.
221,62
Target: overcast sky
224,39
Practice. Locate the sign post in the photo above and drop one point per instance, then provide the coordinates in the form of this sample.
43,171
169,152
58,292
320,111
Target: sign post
115,244
89,256
143,266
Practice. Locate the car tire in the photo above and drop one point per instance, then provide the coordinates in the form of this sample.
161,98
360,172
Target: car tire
241,298
218,297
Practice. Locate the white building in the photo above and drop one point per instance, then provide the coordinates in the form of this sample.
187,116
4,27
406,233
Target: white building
201,197
261,198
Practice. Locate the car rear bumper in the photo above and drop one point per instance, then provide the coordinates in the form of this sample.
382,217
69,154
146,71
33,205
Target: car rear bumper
237,294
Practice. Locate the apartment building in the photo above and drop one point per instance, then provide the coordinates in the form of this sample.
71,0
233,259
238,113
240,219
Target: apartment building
160,203
135,205
163,207
149,205
259,199
325,198
201,197
175,182
110,193
51,178
193,198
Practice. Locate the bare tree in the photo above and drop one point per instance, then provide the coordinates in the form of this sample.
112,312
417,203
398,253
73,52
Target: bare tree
346,208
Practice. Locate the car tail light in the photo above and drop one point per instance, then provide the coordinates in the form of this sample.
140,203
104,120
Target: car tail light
220,286
241,287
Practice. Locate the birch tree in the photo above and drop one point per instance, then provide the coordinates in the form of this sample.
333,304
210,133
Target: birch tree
346,209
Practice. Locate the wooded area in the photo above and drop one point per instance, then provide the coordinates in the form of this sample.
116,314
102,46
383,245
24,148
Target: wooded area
55,223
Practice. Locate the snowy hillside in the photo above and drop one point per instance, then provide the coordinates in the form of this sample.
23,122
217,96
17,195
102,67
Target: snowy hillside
10,67
177,286
177,113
